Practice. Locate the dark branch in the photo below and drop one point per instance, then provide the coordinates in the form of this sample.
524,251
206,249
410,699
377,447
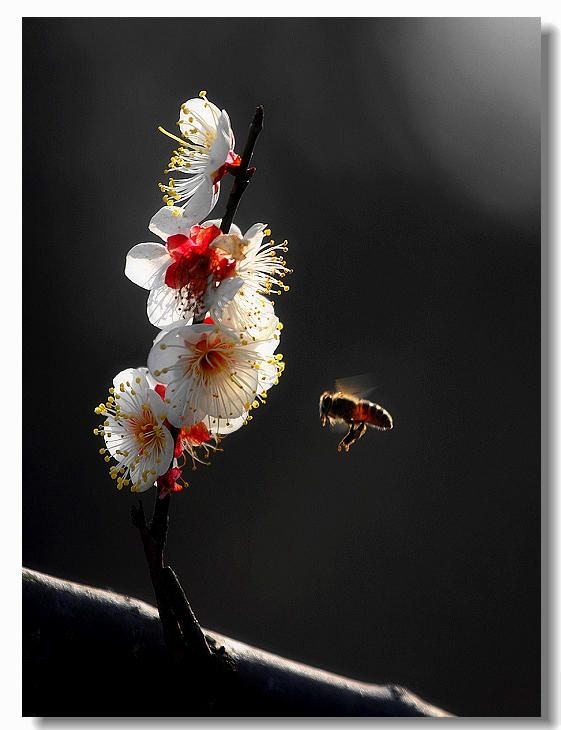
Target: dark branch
153,541
244,172
190,628
182,632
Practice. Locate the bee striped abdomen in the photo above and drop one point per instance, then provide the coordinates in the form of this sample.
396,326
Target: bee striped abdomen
372,414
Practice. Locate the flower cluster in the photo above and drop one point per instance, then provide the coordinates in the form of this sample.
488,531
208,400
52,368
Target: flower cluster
213,359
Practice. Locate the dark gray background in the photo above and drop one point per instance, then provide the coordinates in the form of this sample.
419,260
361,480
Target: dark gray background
400,157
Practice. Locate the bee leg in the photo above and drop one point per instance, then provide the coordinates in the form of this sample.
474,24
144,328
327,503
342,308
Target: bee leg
356,430
348,439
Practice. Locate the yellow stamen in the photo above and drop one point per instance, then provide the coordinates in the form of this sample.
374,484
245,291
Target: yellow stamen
177,139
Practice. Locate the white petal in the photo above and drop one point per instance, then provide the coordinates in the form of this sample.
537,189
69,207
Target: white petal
156,404
164,308
204,113
250,312
152,382
221,296
232,401
202,202
255,229
221,145
146,264
265,348
169,221
268,373
179,417
224,426
167,326
130,375
217,221
255,237
159,355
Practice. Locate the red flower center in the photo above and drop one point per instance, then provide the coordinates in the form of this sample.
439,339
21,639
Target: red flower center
195,264
146,432
211,355
195,435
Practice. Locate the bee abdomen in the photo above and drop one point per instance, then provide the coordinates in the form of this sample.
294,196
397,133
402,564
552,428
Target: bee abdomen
373,415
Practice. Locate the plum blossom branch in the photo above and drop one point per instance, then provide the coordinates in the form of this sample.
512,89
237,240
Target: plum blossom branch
213,360
153,540
244,172
190,628
182,632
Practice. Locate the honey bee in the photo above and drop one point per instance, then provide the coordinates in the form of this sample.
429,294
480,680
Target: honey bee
344,406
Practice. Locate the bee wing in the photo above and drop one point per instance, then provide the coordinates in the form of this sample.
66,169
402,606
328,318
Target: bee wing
358,386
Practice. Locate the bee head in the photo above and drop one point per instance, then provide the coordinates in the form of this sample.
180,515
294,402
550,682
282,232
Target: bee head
324,406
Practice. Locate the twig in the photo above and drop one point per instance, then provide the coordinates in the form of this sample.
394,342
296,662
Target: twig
244,172
153,541
182,632
190,627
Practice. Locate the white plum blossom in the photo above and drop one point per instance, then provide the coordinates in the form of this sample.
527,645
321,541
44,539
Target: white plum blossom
214,373
204,435
262,268
134,431
203,271
205,154
185,277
